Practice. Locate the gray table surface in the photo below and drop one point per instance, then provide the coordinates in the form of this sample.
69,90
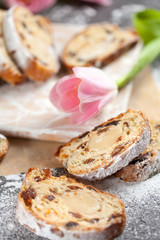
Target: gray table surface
142,201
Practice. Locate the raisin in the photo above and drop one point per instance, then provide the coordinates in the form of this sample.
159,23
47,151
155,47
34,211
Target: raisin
39,24
72,54
102,130
28,195
24,25
37,179
109,31
12,53
76,215
83,145
158,127
126,124
57,232
50,197
91,188
89,160
74,187
71,224
140,158
28,46
117,150
22,36
93,220
58,151
113,216
114,123
55,190
119,139
80,60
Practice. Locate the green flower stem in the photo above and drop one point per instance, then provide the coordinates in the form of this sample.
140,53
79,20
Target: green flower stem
149,53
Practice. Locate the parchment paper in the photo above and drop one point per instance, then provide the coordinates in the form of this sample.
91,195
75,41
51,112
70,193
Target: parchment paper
25,110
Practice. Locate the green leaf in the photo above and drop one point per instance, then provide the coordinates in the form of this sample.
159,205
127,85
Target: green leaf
147,24
149,53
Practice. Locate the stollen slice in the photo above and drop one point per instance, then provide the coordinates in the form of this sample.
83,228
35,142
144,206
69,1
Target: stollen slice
147,163
61,208
98,45
107,148
4,145
30,42
8,70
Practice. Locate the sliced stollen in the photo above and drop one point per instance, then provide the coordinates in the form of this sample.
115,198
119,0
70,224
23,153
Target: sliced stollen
98,45
147,163
29,40
61,208
107,148
4,145
8,70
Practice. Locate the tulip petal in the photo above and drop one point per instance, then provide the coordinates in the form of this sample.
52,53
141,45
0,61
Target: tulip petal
54,97
69,101
67,83
79,117
64,94
100,2
87,90
95,76
88,110
105,100
101,102
33,5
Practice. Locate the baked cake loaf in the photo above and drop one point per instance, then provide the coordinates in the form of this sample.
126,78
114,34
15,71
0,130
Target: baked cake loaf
147,163
30,43
4,145
107,148
61,208
98,45
8,70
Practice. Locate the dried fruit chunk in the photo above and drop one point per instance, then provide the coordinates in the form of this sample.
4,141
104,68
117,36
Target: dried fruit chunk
82,212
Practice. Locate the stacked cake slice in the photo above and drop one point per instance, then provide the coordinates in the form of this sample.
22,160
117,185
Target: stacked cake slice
26,46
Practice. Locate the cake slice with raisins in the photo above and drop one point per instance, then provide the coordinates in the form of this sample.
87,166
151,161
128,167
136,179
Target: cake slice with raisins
30,43
147,163
61,208
98,45
4,145
8,70
107,148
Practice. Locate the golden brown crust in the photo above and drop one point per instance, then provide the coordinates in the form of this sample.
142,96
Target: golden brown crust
107,58
38,72
116,222
8,70
10,76
4,145
147,163
93,168
30,43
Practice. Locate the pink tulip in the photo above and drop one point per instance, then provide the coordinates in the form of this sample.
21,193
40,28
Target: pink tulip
83,94
100,2
33,5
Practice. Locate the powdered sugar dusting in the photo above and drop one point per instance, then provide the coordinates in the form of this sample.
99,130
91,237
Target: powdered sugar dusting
142,201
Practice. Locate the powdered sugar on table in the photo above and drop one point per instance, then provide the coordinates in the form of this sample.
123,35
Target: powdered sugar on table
142,201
